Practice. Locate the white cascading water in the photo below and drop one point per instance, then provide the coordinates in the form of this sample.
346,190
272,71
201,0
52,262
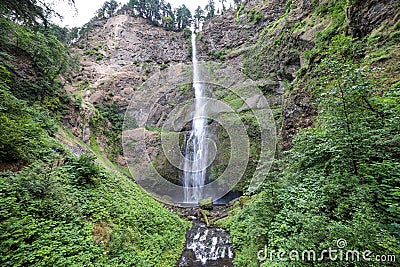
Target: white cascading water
196,147
205,246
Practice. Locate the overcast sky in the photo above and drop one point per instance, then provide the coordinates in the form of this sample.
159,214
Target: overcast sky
86,9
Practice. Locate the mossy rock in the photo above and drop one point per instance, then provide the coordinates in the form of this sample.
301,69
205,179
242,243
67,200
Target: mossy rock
206,203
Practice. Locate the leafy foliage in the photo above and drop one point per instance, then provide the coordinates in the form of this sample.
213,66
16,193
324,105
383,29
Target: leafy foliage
47,218
210,8
341,179
108,113
35,60
30,12
51,211
50,55
58,209
108,9
160,13
24,131
67,210
198,17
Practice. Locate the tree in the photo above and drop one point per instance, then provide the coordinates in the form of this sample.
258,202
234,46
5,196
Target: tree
168,16
167,22
111,7
141,7
134,5
29,12
61,33
223,6
48,53
163,8
154,8
353,147
210,8
108,9
183,17
198,16
73,35
160,12
238,3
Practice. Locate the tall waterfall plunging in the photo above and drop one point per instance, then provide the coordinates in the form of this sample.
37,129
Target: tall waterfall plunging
195,163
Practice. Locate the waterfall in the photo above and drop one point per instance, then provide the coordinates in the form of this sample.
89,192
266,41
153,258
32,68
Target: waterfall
195,162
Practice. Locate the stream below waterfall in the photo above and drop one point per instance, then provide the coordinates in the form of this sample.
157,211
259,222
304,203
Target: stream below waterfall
207,246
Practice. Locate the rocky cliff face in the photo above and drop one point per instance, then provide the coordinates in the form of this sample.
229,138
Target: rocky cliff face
269,42
117,56
365,16
228,36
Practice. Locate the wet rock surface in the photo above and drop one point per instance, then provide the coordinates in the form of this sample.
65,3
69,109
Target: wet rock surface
364,16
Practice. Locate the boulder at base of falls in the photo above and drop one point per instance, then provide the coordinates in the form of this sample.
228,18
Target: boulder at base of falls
206,203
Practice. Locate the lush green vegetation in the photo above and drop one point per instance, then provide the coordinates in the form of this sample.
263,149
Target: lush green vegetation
341,178
109,113
58,209
68,210
73,212
30,12
34,59
25,131
161,13
108,9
